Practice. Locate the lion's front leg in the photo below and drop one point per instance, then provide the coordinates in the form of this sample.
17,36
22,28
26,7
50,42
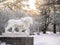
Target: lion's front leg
27,31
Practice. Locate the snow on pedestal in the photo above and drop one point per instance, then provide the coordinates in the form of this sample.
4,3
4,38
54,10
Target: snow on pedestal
15,34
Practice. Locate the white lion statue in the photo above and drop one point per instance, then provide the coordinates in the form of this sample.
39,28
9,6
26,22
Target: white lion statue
22,24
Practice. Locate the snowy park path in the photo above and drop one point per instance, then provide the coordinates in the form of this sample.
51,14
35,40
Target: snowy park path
47,39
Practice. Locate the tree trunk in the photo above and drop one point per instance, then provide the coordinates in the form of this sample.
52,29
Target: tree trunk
54,28
45,28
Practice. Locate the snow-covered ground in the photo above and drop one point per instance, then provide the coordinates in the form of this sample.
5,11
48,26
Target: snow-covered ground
43,39
47,39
